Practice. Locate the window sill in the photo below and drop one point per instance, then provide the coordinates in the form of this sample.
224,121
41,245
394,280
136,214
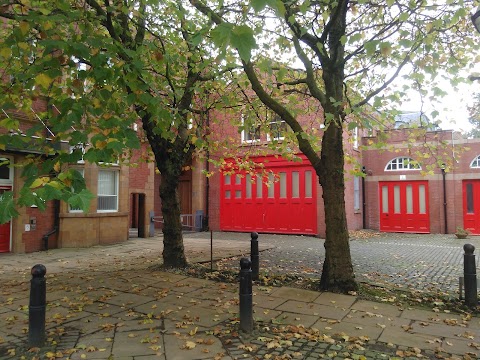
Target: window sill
94,215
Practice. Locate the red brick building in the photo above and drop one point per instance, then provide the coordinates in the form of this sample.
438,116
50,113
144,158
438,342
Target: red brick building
124,197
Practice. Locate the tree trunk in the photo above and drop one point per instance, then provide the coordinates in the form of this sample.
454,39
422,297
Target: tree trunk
173,250
337,273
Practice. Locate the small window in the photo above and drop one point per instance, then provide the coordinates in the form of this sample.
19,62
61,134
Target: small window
475,164
277,129
308,184
248,186
79,148
107,191
356,193
355,137
401,164
251,131
6,170
227,179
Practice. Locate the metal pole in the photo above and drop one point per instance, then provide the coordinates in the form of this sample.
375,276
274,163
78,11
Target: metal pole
470,275
254,255
246,300
37,306
364,203
211,250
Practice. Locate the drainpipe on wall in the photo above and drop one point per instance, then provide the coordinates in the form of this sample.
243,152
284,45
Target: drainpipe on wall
444,198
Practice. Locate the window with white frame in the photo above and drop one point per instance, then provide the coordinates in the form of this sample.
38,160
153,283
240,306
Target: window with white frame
6,170
402,163
107,193
251,130
73,209
79,148
475,164
277,128
355,137
356,193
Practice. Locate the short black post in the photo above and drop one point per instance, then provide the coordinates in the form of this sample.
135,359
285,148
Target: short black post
254,255
37,306
246,300
470,275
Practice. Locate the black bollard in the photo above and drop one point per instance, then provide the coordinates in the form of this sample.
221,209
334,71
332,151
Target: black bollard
254,255
246,300
470,275
37,307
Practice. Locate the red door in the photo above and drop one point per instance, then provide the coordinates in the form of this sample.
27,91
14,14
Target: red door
280,198
471,206
4,229
404,206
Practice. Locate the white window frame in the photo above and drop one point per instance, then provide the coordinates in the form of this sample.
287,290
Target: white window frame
116,195
402,163
356,193
76,211
355,137
82,148
244,133
8,181
279,122
475,164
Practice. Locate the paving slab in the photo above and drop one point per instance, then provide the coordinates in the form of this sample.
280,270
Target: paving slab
294,294
374,319
201,346
314,309
336,300
401,337
377,308
348,328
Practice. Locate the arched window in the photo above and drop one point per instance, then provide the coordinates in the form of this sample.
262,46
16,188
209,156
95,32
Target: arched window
402,163
475,164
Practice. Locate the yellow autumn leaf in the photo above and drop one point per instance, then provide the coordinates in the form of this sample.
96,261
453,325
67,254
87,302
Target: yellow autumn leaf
43,80
96,103
56,167
39,182
100,144
5,52
47,25
194,331
24,27
189,345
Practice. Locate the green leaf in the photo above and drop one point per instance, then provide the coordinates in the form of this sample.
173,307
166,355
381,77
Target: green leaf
352,125
243,40
81,200
221,35
7,207
258,5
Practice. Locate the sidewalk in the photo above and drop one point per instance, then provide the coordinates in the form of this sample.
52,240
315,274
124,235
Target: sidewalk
104,303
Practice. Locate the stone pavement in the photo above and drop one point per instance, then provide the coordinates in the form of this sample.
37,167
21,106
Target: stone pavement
108,303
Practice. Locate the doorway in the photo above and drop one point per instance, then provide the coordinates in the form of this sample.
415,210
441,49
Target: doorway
137,215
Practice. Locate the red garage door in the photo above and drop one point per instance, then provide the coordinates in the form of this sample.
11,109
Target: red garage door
281,198
471,206
404,206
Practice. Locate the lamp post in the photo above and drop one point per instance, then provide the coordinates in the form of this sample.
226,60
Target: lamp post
476,19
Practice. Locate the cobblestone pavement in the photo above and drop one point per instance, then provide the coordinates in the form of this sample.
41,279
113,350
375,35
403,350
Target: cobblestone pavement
428,262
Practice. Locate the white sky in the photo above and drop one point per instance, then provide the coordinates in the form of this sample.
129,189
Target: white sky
453,108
